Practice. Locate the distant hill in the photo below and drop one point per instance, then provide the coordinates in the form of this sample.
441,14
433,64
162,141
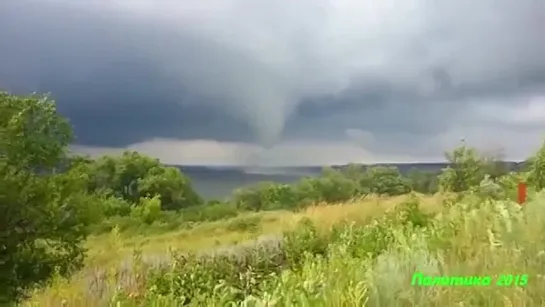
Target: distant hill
435,167
219,182
267,172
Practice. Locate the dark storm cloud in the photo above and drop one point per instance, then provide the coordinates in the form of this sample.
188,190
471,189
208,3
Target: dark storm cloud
260,71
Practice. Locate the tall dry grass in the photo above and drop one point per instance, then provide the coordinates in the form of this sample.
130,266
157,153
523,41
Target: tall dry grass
329,255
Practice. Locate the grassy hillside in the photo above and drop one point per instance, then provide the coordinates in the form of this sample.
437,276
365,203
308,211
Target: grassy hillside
112,253
327,255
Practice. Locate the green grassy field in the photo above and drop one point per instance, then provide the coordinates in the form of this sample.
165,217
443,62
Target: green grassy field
353,254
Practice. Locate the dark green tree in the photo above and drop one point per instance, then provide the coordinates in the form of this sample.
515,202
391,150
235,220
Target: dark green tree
44,216
133,175
536,168
423,181
466,170
386,180
174,188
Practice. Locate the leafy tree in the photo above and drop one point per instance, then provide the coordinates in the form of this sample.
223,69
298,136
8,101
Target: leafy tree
133,175
423,182
308,191
386,180
334,186
114,206
359,174
255,197
537,169
174,188
120,174
279,196
43,211
148,210
129,168
467,169
78,161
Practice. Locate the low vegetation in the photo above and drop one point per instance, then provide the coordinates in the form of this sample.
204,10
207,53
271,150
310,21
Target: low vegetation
128,231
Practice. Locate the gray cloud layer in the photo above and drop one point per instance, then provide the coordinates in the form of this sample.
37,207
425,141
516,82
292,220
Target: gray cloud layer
393,76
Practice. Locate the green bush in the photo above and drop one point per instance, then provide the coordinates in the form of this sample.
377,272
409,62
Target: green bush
467,169
265,196
198,280
387,181
304,240
113,206
331,187
536,175
148,210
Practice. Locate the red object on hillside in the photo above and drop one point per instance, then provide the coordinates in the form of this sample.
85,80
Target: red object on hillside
522,193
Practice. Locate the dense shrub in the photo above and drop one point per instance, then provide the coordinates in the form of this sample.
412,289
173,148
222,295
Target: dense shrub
331,187
265,196
112,206
231,275
148,210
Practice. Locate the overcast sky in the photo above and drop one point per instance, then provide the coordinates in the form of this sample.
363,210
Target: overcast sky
284,82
